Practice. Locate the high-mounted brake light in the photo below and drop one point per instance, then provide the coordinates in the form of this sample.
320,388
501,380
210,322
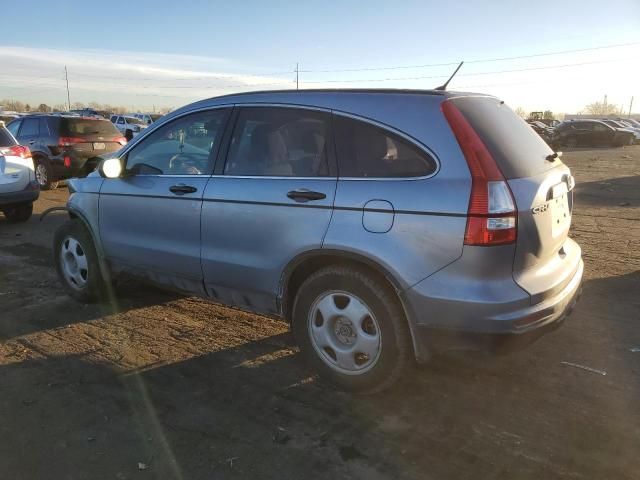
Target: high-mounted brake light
492,215
16,151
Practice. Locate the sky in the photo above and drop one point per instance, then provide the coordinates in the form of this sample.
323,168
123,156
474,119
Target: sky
151,54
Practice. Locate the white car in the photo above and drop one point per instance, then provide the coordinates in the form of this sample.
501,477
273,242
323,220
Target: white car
127,123
18,185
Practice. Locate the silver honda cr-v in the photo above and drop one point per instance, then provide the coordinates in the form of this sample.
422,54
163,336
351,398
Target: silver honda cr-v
383,225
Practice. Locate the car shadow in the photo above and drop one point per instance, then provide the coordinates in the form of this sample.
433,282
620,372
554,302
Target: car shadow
612,192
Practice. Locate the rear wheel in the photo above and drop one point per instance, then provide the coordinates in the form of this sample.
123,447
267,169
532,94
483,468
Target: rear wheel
351,328
44,174
76,262
19,213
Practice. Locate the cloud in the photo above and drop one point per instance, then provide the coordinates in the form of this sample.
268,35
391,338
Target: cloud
119,77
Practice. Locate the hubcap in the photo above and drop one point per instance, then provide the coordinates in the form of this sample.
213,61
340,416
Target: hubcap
73,261
344,332
41,174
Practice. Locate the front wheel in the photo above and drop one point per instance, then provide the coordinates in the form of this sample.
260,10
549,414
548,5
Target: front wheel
76,262
351,328
19,213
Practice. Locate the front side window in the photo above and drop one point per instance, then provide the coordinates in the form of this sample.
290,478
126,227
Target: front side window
120,121
368,151
185,146
273,141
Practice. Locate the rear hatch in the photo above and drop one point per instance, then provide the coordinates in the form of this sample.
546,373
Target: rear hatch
89,137
545,260
16,166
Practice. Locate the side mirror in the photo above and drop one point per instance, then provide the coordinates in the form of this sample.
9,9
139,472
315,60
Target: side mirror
111,168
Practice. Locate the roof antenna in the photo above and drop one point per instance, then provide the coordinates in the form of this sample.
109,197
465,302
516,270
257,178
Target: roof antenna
444,87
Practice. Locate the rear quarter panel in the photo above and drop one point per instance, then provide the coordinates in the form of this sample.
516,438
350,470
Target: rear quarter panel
429,214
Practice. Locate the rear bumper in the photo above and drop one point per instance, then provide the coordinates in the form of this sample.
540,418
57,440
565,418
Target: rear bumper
465,323
29,195
81,165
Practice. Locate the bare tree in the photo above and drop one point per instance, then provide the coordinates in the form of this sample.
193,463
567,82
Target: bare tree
603,108
521,112
43,107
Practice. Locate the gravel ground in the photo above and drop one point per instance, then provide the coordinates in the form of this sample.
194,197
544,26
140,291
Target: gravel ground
157,385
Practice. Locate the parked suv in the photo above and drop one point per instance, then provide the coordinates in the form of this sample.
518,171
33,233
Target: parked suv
589,133
378,223
18,185
65,146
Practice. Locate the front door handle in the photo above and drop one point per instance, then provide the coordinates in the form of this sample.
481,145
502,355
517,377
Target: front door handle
181,189
31,142
304,195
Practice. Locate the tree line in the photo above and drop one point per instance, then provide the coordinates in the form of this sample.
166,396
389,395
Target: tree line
18,106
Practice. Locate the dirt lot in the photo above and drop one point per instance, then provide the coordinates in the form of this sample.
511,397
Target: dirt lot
160,386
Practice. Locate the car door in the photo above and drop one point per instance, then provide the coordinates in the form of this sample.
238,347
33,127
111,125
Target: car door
150,218
604,134
268,203
120,123
29,132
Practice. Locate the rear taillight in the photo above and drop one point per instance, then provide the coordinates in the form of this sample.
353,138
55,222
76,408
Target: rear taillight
66,141
492,215
120,140
16,151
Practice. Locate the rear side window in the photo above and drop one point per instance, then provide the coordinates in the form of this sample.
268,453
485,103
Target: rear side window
283,142
367,151
29,127
44,128
516,148
6,140
71,127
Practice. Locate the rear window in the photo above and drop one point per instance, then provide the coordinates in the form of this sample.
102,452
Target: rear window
6,139
82,126
517,149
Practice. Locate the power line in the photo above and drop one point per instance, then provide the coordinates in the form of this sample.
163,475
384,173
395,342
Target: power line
390,79
485,60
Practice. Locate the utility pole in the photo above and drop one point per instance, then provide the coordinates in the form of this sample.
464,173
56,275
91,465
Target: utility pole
297,72
66,76
630,105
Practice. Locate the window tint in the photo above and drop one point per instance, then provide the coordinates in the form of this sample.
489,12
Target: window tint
44,127
365,150
83,126
598,127
29,127
279,142
182,147
13,127
120,120
6,140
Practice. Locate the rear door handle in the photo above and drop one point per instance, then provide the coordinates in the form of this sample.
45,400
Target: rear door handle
181,189
304,195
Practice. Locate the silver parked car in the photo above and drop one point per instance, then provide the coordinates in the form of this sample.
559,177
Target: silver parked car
383,225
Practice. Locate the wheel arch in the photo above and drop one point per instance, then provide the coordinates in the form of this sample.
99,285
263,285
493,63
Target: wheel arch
303,265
